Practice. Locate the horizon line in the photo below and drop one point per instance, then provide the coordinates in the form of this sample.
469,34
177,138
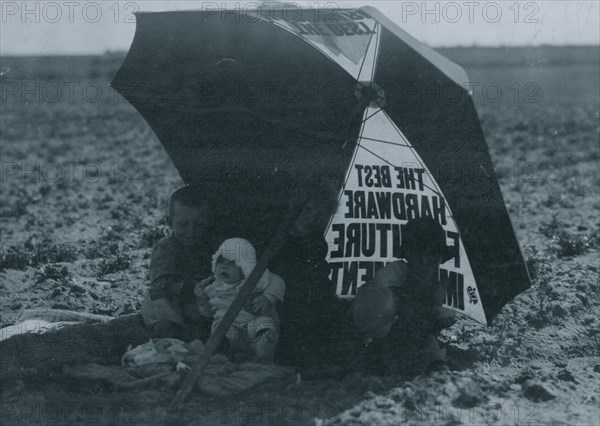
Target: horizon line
458,46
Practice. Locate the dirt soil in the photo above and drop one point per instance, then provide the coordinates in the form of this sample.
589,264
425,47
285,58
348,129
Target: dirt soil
84,190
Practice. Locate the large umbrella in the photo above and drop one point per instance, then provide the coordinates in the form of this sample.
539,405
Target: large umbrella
248,104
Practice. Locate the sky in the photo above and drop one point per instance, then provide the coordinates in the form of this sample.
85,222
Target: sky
90,27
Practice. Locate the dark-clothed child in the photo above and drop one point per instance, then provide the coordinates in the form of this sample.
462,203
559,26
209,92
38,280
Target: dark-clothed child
169,308
399,314
310,298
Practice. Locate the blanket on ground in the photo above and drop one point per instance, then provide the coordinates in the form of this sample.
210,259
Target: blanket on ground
43,320
91,339
117,352
161,363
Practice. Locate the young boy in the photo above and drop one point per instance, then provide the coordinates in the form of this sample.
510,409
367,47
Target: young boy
399,313
169,308
256,327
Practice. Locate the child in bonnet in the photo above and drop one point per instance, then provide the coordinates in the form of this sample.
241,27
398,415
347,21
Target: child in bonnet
256,328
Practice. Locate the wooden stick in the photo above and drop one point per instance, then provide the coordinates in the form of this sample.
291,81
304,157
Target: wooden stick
236,306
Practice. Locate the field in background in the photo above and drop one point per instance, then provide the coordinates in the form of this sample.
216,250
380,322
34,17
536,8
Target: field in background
84,186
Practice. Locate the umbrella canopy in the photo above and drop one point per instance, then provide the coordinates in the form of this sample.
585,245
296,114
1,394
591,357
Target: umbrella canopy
248,104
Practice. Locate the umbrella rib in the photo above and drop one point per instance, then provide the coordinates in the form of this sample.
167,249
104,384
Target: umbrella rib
365,57
308,41
391,164
377,41
315,45
357,78
439,191
352,160
372,115
362,128
382,141
362,125
347,177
